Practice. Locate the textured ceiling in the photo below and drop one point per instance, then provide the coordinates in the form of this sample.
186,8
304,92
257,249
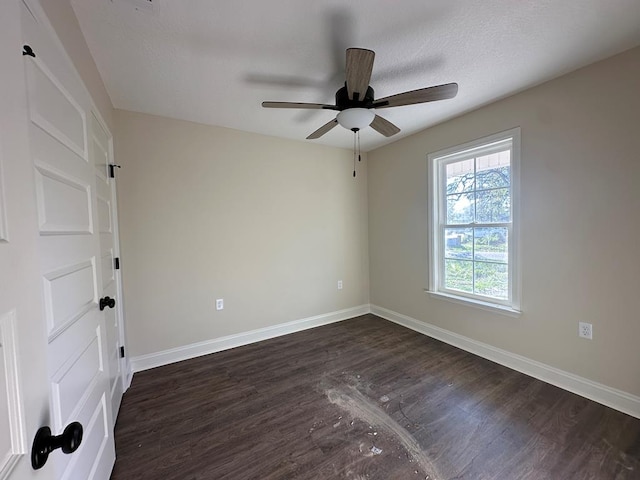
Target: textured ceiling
214,62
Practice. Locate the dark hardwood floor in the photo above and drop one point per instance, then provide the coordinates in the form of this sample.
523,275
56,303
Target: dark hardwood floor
363,399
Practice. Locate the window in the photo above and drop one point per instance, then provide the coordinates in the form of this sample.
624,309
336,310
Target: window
474,188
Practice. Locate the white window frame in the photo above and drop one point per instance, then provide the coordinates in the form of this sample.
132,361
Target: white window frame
437,213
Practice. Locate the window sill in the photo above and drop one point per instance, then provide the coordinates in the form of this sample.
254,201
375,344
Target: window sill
491,307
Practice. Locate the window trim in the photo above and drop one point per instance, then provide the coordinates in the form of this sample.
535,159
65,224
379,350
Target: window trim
435,264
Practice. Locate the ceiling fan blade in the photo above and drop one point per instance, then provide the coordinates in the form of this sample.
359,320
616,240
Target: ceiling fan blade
313,106
323,129
383,126
358,71
422,95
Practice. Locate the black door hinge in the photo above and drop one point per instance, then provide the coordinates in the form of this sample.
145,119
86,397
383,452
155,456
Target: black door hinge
27,50
121,352
116,263
112,170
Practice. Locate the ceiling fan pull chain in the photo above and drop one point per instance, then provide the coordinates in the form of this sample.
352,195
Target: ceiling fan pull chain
354,153
359,158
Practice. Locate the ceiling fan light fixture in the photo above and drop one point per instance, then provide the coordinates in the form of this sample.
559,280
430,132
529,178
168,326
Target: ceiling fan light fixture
355,118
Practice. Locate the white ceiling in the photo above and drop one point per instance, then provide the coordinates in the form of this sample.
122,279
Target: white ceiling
214,62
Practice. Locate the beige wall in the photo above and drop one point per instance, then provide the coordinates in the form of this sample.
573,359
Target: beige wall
270,225
580,225
65,23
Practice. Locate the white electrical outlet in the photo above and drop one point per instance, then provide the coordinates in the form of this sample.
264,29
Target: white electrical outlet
585,330
339,284
219,304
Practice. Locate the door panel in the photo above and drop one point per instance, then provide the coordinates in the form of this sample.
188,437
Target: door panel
12,443
54,109
74,381
69,294
69,255
64,202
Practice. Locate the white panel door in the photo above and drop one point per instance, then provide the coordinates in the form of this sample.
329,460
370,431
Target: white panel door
24,393
100,155
70,261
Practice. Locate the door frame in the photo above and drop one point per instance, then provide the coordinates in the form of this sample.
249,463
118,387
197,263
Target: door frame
126,374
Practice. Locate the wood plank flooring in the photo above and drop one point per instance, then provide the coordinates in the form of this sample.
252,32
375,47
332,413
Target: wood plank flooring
363,399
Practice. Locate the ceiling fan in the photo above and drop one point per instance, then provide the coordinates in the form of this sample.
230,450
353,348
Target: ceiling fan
355,101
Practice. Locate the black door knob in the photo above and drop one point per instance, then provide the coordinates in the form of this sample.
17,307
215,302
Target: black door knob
45,443
107,302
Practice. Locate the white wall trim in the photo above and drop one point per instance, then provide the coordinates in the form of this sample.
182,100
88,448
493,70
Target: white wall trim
166,357
611,397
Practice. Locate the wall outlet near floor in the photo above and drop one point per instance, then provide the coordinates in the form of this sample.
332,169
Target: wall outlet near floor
339,284
585,330
220,304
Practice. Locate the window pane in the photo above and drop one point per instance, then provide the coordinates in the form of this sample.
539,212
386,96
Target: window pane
458,243
492,279
491,244
493,206
458,275
493,171
460,208
460,176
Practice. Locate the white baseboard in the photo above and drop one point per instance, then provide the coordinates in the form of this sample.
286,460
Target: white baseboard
129,377
611,397
158,359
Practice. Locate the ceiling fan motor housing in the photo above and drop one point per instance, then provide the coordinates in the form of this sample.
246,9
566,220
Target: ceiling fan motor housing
343,102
